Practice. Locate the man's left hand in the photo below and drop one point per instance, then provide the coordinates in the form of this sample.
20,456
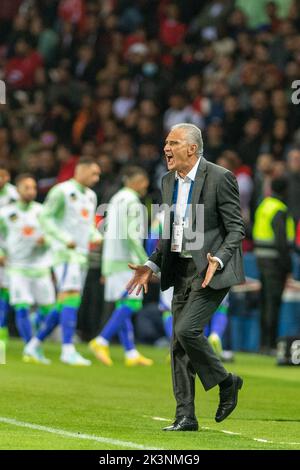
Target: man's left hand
213,265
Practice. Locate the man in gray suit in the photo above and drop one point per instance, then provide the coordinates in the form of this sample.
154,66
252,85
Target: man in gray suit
200,255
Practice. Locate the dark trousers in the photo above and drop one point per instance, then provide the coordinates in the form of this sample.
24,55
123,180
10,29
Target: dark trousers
273,281
191,353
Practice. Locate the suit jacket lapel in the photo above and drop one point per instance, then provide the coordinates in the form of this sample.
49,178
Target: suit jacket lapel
198,184
169,182
169,188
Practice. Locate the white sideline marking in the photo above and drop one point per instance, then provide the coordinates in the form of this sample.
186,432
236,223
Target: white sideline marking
230,432
224,431
156,418
205,428
291,443
61,432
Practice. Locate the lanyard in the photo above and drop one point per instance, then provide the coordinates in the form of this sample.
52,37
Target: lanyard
175,196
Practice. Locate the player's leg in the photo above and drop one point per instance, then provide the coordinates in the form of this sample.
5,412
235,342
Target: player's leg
49,313
126,336
119,322
113,290
23,324
100,345
168,323
164,305
218,326
21,299
33,350
44,297
4,309
50,322
70,278
4,303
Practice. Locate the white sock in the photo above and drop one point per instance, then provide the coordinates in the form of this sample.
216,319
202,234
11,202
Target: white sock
132,354
102,341
33,343
68,348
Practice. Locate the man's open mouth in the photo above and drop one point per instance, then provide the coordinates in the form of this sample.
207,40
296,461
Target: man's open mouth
169,158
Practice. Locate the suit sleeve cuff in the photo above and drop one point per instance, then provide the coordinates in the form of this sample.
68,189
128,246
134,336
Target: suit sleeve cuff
152,266
221,264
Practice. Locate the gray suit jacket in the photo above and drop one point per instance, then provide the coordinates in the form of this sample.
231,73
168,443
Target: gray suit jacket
216,188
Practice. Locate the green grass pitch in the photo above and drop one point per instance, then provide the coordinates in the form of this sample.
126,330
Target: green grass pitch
62,407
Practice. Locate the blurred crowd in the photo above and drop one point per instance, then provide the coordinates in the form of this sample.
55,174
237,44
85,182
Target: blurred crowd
107,79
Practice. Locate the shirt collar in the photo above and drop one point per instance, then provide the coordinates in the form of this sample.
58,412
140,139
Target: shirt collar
130,190
192,173
24,206
78,185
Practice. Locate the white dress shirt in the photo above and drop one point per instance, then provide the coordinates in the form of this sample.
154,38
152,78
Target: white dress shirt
184,185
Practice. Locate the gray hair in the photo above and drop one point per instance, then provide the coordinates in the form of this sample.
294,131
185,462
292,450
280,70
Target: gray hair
193,135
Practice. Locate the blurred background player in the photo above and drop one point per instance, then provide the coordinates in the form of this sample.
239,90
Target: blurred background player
123,243
28,259
8,194
165,297
68,217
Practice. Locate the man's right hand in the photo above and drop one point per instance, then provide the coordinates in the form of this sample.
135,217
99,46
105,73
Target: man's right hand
2,260
141,278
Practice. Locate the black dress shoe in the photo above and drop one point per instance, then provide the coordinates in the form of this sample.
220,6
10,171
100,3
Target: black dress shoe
228,399
183,424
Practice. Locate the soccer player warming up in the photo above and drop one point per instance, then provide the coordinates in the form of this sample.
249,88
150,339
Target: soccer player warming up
28,260
123,243
68,217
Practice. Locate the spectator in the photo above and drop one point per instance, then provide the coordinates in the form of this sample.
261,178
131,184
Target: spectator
233,121
67,163
21,68
214,141
243,175
125,101
46,174
293,164
180,111
86,65
107,185
172,30
249,146
263,177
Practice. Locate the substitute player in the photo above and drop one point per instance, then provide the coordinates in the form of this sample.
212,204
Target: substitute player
8,194
68,216
123,243
28,260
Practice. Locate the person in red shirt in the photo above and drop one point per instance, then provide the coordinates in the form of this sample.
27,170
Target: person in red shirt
72,11
67,163
172,31
21,68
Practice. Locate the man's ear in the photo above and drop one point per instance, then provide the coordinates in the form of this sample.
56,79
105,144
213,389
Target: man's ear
192,148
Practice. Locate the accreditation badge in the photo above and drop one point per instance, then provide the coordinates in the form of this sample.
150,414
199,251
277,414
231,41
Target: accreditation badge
177,237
